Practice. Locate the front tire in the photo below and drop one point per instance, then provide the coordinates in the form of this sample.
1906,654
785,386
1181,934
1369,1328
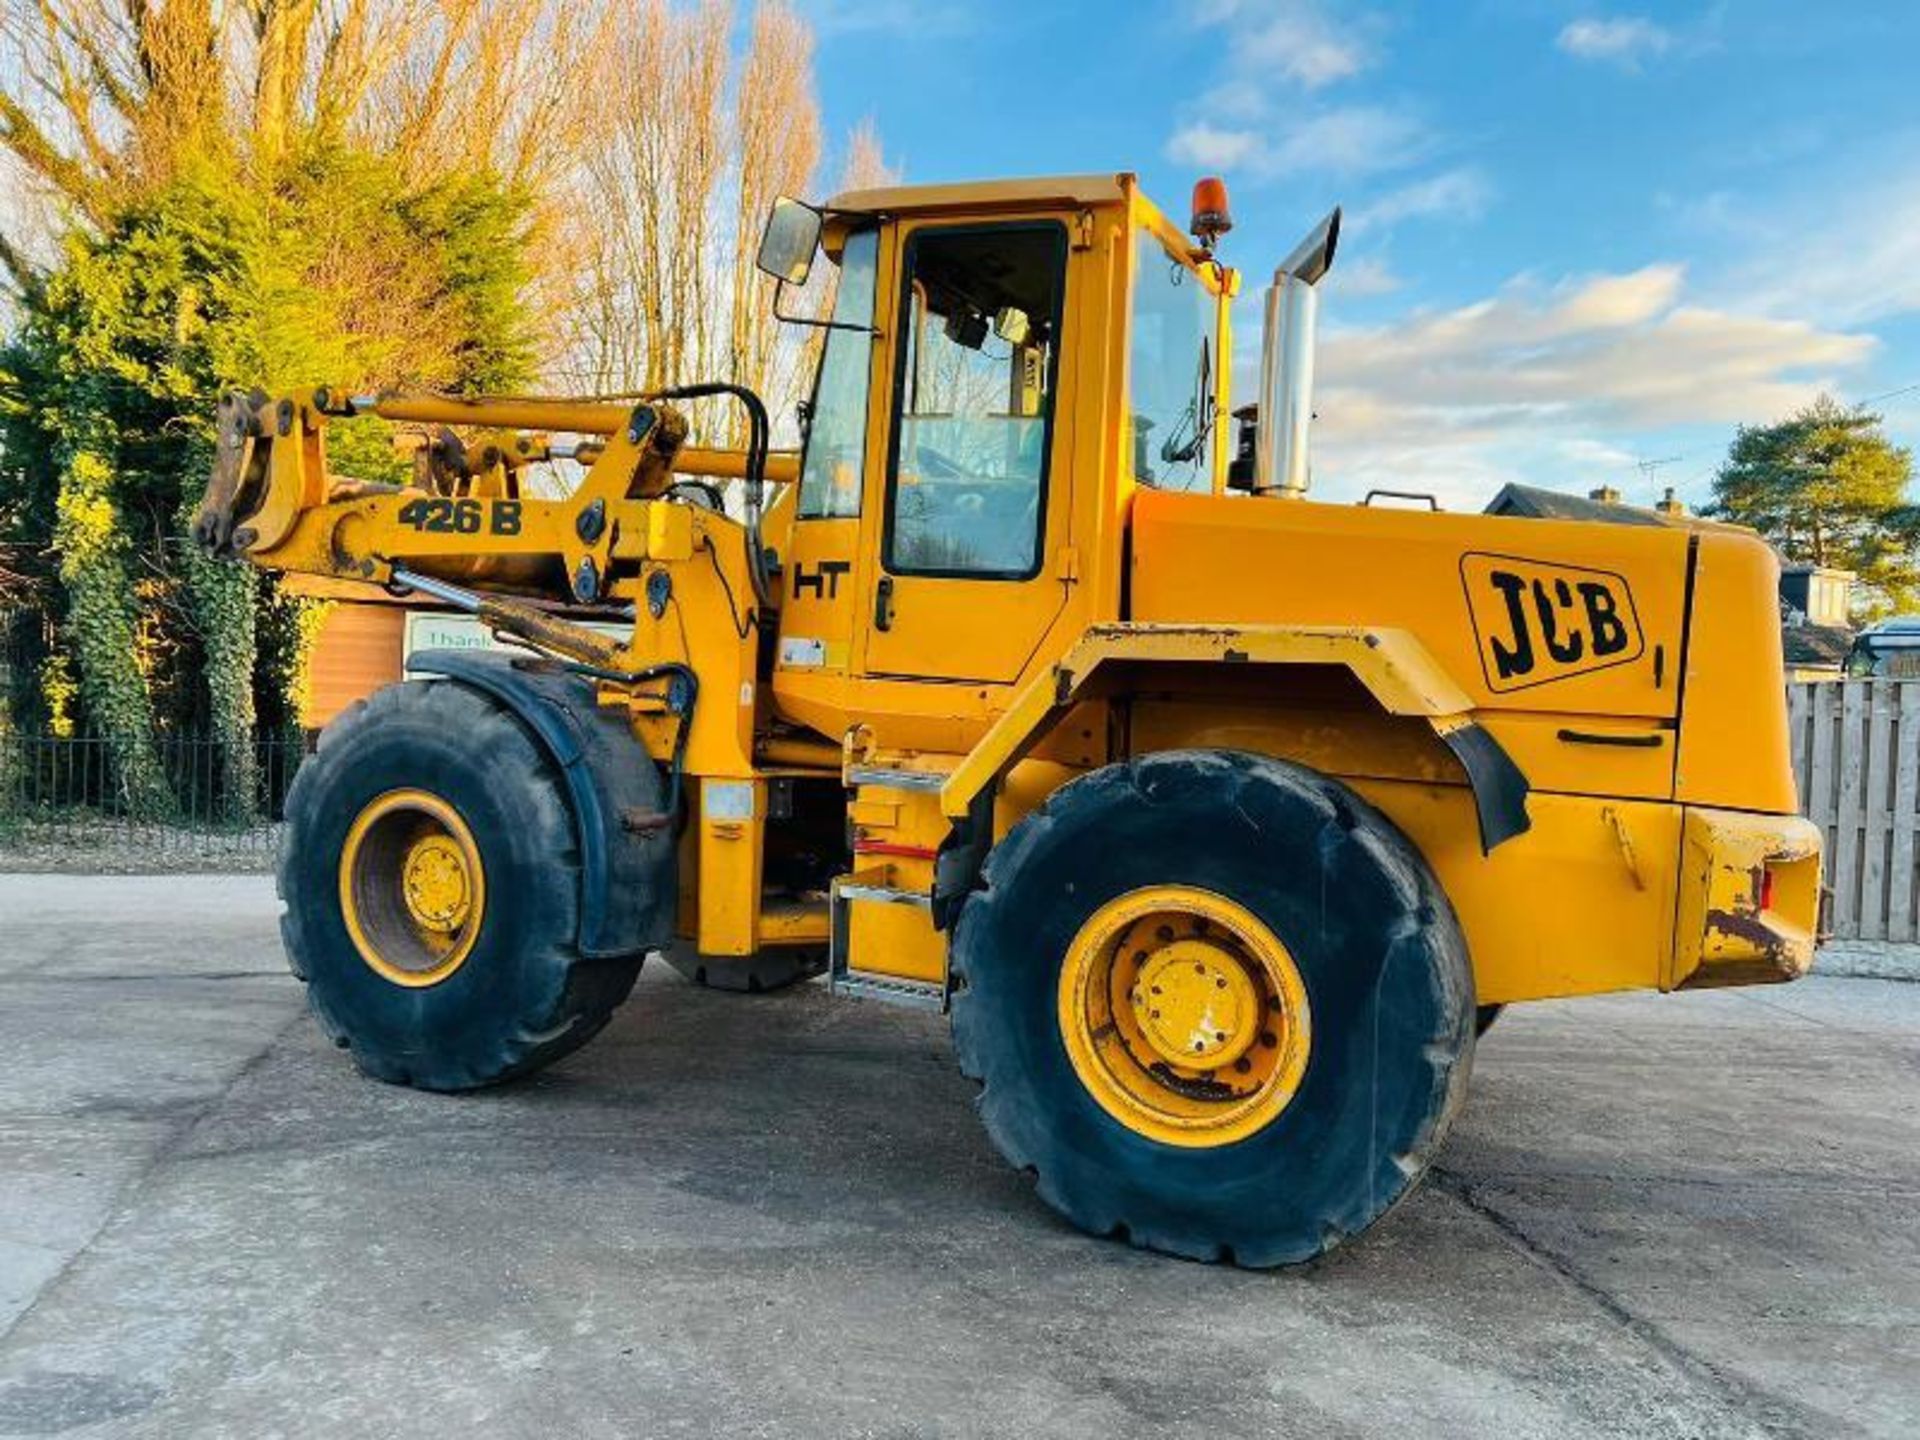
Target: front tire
1217,1004
431,879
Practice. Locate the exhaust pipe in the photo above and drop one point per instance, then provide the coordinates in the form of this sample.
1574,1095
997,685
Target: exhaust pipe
1286,364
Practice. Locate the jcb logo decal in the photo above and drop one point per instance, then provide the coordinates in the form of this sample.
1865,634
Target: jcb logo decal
1538,621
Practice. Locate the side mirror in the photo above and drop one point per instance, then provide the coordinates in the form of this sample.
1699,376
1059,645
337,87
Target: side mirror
788,243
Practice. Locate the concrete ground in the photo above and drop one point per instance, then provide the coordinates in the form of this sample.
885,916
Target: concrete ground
1685,1216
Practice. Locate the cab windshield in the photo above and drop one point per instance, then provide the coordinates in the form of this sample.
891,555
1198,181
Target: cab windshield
1172,370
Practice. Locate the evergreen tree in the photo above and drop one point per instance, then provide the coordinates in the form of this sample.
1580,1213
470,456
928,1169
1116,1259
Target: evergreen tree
1827,487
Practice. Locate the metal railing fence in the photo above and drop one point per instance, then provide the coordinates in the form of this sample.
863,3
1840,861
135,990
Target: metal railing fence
188,795
1855,747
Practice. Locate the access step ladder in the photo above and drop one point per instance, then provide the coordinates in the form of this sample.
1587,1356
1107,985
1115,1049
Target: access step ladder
872,915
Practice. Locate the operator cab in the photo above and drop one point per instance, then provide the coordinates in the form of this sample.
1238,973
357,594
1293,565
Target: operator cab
1002,365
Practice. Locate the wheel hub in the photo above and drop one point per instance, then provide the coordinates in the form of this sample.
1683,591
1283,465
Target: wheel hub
1196,1005
434,881
413,890
1184,1015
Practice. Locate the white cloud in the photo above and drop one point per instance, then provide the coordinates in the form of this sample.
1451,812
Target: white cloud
1368,275
1295,39
1351,140
1624,40
1811,258
1345,142
1612,302
1620,348
1250,120
1460,194
1553,384
1589,453
1211,148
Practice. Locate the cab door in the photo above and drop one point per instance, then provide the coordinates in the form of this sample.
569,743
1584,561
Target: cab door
973,561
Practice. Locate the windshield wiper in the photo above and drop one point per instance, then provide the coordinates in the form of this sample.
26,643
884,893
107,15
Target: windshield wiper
1190,431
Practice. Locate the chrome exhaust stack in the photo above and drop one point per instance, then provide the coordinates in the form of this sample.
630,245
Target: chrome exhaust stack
1286,364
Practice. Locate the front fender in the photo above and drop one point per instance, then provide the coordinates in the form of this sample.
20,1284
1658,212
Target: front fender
628,891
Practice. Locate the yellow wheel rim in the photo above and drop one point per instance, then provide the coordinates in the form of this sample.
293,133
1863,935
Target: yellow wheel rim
412,888
1184,1016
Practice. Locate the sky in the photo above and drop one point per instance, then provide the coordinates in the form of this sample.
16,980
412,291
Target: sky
1582,244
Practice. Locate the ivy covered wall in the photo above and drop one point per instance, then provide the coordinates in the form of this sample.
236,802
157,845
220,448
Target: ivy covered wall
340,268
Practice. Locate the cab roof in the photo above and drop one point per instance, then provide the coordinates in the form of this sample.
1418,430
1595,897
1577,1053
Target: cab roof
1037,193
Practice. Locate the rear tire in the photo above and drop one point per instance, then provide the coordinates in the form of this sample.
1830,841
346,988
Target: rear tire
1388,1005
507,991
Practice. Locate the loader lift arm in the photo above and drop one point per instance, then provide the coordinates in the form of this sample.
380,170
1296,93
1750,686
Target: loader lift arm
272,499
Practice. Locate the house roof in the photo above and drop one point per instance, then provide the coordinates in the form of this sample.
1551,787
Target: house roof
1815,644
1538,504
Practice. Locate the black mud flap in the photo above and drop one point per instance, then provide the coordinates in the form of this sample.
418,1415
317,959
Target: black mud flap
628,888
956,869
1499,787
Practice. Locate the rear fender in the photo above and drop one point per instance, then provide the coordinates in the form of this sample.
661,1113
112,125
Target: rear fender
1391,664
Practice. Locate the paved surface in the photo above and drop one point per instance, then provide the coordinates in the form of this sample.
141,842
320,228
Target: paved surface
1879,959
1691,1216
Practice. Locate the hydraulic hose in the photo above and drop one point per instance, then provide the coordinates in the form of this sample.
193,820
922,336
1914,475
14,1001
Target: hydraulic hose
759,441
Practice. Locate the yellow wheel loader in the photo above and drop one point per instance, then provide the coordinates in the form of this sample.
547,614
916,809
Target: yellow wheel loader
1215,817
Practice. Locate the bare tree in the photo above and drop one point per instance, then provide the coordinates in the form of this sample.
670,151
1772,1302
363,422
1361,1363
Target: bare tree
698,134
865,166
652,138
102,100
777,135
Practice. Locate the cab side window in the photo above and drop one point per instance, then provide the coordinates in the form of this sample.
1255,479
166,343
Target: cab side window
973,400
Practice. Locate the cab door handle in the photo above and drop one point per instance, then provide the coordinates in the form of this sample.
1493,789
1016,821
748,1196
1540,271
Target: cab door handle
883,604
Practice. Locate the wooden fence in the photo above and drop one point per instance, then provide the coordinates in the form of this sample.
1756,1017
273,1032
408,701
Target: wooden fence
1856,753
